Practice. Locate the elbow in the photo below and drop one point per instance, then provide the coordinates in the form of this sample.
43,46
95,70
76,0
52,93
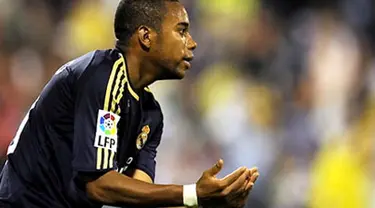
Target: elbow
103,189
105,194
116,189
96,191
109,190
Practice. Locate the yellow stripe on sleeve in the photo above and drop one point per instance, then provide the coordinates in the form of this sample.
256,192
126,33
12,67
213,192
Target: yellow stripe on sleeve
117,87
105,161
109,85
132,92
99,158
111,159
114,93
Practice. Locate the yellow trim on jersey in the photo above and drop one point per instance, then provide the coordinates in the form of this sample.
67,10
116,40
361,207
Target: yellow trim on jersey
111,159
99,158
113,95
121,94
147,89
109,85
132,92
105,161
118,88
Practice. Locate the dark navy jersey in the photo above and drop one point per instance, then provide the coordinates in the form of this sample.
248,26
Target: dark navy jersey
87,121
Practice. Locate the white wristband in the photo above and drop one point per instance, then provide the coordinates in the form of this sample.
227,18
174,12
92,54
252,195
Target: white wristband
190,195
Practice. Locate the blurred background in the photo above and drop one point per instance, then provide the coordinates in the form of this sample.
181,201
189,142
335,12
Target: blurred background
286,86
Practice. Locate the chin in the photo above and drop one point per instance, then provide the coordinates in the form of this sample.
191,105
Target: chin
180,74
176,74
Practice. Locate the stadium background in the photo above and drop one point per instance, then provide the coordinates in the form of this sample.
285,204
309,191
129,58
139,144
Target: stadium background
287,86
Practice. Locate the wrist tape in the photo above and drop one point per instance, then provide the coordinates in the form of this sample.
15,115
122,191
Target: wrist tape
190,195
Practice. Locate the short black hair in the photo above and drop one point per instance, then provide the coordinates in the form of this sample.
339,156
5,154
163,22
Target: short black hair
131,14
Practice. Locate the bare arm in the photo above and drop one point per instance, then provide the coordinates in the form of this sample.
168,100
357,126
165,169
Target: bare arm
117,189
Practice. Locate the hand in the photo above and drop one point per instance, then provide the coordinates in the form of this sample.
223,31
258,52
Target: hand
213,192
249,184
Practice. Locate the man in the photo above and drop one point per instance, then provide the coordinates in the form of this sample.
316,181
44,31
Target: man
90,138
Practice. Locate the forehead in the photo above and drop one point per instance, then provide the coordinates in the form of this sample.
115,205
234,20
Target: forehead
175,14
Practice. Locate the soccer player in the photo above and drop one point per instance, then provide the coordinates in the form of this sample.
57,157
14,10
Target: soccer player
90,138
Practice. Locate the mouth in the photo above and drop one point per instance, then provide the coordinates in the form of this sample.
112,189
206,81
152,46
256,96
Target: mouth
187,64
189,58
187,61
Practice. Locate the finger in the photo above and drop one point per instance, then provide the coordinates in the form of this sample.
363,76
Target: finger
231,178
254,170
235,199
235,187
254,177
214,170
244,195
249,186
242,190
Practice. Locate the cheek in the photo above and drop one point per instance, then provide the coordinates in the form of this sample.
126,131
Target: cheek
176,44
171,49
172,53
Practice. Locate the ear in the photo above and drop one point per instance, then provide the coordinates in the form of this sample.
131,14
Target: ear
145,37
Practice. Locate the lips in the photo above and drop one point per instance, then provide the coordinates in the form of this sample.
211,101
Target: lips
188,64
187,61
189,58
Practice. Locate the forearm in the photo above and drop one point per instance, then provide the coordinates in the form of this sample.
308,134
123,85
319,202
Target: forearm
117,189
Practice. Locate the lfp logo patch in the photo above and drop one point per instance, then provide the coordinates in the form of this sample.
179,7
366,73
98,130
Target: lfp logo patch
106,130
108,124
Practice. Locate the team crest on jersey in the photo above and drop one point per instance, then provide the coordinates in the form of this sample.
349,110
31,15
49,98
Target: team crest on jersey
142,137
106,130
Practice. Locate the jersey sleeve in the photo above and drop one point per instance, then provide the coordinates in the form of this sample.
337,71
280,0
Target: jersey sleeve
96,119
146,159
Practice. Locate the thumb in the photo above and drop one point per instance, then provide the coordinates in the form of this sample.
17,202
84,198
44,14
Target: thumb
216,168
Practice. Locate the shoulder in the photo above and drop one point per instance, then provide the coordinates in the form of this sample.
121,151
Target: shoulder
153,107
151,100
90,61
92,70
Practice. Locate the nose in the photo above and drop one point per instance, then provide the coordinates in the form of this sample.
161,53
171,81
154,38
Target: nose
192,45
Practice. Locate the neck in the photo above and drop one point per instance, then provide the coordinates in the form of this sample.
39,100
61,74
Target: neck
141,73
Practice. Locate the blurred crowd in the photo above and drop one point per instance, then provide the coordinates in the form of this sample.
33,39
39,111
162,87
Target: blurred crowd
287,86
